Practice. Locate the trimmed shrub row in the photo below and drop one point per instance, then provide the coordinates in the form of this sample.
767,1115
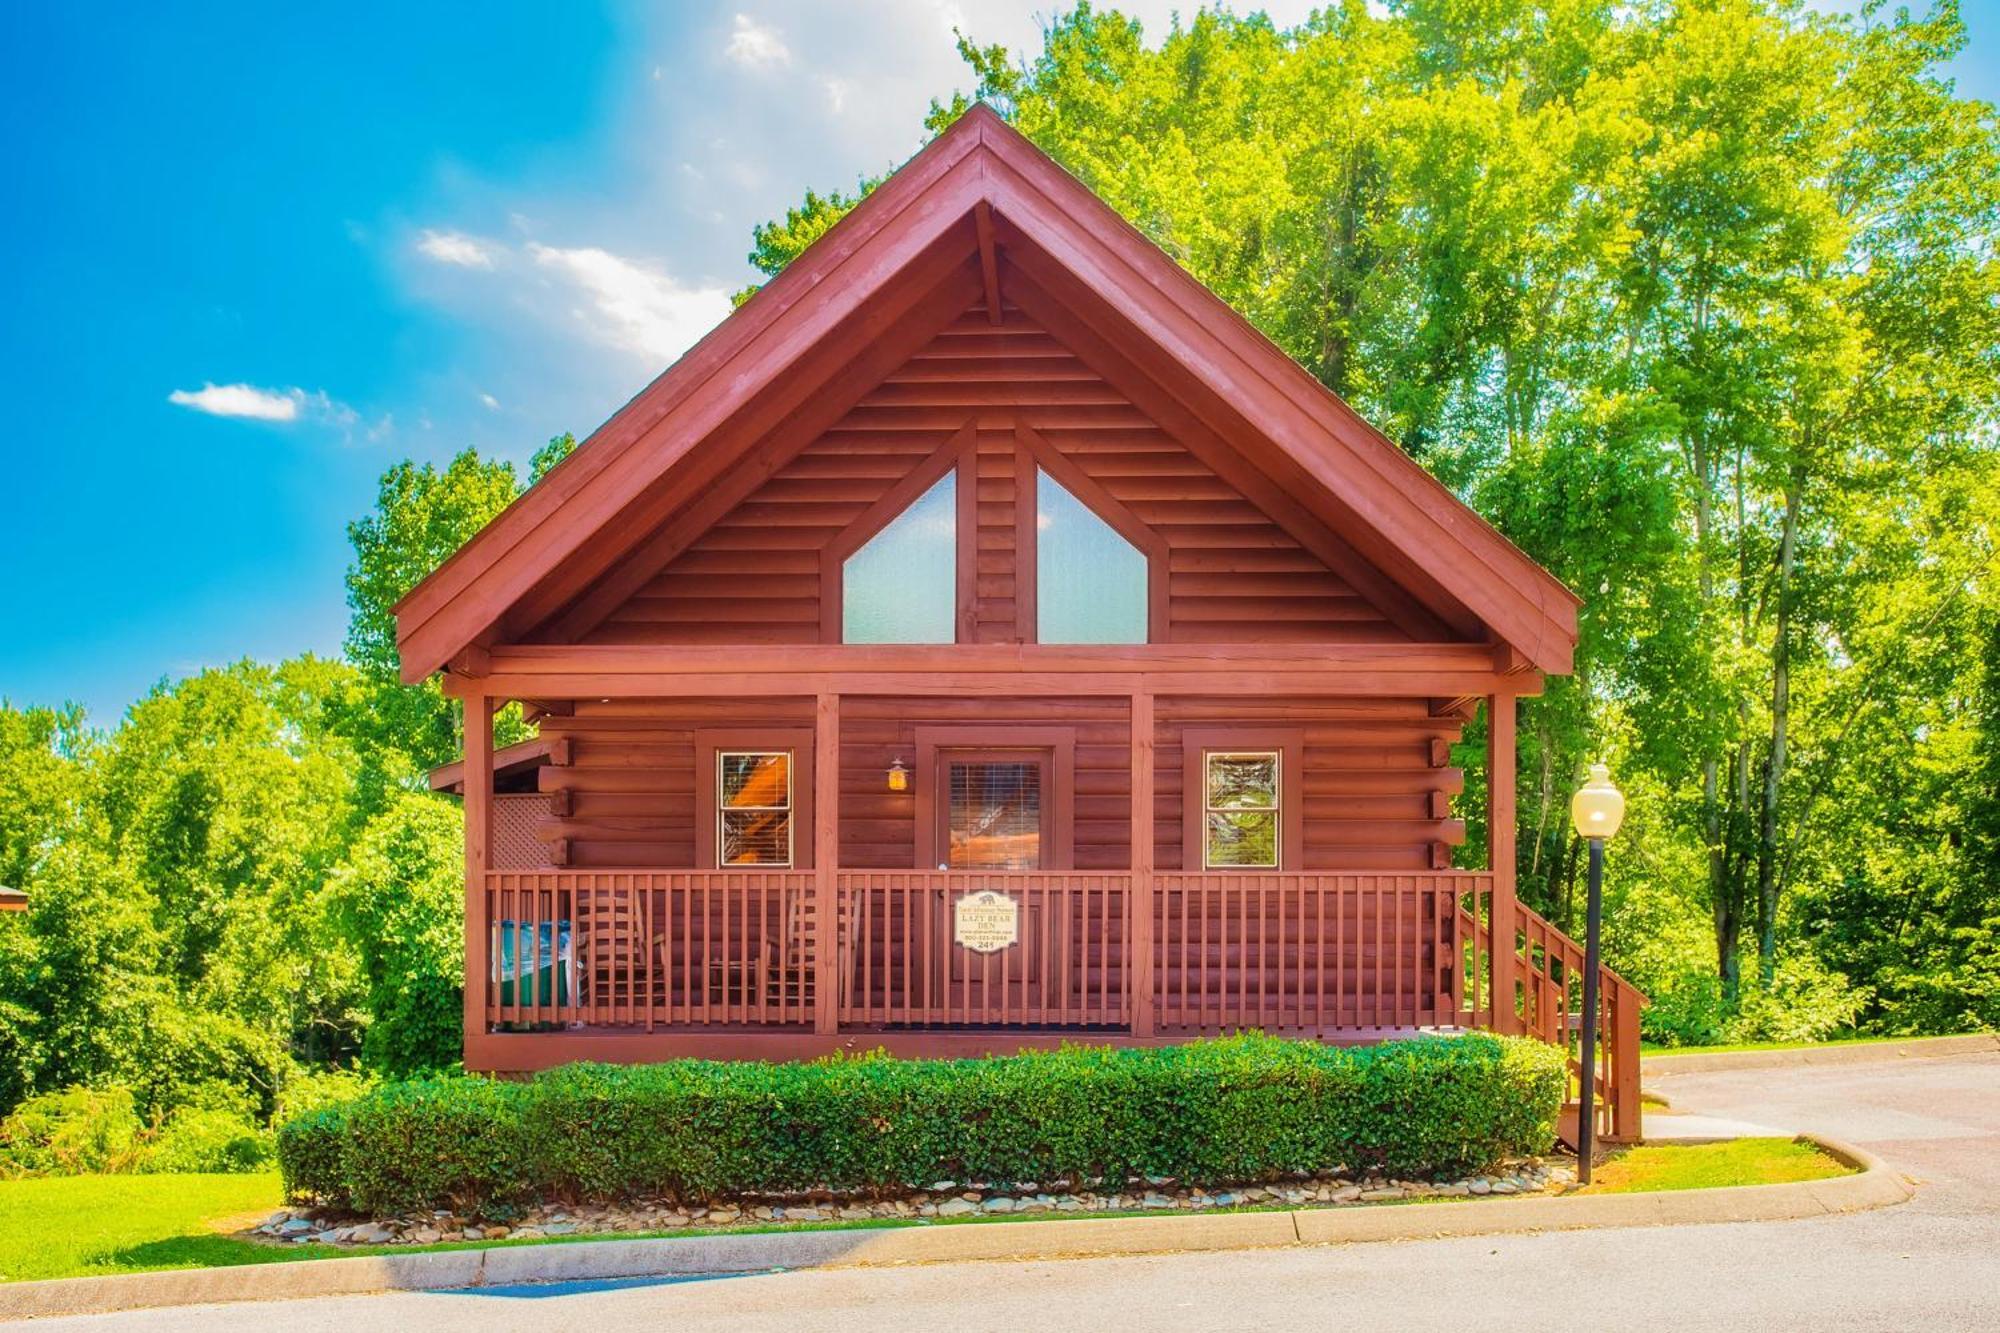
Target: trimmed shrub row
1240,1108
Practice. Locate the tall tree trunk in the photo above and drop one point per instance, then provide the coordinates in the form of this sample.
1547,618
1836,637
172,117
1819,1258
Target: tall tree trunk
1347,259
1722,895
1567,862
1781,707
1545,798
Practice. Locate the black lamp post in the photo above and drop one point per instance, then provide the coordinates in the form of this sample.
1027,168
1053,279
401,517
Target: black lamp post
1596,810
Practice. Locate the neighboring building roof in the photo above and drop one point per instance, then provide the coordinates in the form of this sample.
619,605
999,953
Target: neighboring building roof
513,766
12,900
817,336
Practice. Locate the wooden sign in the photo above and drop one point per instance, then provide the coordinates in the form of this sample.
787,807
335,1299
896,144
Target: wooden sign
986,921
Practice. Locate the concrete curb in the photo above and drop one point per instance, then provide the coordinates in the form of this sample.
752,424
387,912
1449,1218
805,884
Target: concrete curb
1860,1053
689,1256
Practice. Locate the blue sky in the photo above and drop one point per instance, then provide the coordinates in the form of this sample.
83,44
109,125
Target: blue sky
256,254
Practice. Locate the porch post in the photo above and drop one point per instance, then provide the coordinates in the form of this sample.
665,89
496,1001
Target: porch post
1500,854
827,962
478,715
1139,976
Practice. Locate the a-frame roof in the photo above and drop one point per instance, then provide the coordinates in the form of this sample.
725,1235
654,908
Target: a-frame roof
856,303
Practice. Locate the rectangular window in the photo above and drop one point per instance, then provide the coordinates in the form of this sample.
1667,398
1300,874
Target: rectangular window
753,808
1240,802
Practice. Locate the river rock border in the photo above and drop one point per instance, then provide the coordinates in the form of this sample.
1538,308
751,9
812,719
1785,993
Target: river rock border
942,1200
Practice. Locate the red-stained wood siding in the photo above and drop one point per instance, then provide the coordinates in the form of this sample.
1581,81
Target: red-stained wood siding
630,779
995,594
1234,574
1373,796
1374,781
878,827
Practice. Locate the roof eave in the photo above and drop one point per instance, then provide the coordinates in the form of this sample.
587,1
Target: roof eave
1521,603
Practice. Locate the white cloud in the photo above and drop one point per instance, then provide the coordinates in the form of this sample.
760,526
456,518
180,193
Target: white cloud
455,247
836,93
756,45
249,403
634,305
491,403
242,400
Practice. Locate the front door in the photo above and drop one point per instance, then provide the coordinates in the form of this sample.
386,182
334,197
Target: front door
992,808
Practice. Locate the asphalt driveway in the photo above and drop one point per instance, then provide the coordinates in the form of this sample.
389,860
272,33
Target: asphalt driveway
1933,1263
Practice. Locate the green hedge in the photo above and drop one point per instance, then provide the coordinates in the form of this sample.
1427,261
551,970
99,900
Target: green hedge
1240,1108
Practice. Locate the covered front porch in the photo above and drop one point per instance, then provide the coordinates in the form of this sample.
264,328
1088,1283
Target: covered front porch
635,962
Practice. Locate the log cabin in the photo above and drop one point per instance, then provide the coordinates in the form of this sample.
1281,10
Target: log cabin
985,639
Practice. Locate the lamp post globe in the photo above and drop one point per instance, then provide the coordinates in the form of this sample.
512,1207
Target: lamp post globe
1597,810
1598,807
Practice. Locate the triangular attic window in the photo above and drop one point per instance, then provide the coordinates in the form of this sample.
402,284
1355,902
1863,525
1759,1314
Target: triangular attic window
1090,583
902,585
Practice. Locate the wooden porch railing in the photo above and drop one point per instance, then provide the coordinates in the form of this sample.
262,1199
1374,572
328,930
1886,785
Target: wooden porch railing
650,948
1307,953
1317,951
901,967
1550,1006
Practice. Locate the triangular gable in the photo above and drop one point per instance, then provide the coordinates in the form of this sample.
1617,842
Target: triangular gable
866,295
1219,568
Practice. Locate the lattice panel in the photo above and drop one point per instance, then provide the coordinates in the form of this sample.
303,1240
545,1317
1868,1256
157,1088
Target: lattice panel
516,817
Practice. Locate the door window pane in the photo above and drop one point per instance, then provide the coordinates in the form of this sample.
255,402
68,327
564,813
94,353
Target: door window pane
902,586
754,808
1240,803
1090,583
993,814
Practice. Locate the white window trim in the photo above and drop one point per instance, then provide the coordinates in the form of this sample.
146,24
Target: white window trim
1276,808
790,809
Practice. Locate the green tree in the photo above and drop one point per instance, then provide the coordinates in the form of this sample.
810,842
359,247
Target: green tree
400,896
45,757
81,975
1696,300
422,516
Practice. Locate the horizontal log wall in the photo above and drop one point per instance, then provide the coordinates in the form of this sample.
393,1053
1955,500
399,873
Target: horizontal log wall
878,827
630,782
1234,574
1376,785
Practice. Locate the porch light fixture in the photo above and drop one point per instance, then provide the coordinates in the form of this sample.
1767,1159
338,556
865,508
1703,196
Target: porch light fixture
1597,809
899,776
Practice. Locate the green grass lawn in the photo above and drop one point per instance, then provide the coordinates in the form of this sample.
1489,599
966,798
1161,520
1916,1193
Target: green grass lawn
85,1226
76,1226
90,1226
1700,1166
